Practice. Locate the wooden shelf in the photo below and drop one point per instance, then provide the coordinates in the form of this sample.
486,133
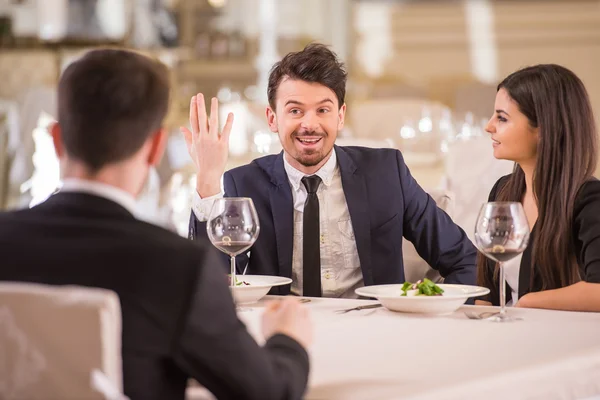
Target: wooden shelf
217,69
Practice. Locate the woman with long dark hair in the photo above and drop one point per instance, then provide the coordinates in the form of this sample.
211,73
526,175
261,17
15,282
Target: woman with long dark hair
543,122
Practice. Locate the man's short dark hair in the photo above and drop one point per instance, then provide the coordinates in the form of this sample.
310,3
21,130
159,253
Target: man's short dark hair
109,103
315,63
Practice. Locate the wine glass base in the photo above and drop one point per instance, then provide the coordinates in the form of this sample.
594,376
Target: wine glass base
503,318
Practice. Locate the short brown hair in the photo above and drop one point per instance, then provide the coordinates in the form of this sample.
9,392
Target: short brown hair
315,63
109,103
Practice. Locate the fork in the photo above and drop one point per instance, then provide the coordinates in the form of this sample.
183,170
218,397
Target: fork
358,308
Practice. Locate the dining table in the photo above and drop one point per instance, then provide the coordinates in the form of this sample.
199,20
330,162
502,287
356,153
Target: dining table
375,353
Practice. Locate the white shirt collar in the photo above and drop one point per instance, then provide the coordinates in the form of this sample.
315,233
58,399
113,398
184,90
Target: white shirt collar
119,196
326,172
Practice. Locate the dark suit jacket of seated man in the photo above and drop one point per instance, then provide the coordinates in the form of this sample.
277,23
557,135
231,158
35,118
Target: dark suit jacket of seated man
179,320
385,203
178,316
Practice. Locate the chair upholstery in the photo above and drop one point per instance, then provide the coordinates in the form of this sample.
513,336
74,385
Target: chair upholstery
471,172
415,267
59,342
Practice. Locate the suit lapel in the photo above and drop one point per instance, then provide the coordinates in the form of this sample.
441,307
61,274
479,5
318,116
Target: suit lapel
282,208
355,191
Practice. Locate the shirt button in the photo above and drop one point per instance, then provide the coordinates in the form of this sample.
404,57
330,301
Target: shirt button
322,238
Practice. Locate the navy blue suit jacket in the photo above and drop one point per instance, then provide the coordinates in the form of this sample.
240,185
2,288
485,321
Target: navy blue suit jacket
385,204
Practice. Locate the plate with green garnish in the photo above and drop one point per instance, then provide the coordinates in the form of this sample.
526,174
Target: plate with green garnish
423,296
251,288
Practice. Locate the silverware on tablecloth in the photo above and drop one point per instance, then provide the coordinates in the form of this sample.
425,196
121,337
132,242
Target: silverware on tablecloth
483,315
358,308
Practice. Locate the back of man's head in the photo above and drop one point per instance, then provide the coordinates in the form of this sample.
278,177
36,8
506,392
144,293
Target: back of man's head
109,103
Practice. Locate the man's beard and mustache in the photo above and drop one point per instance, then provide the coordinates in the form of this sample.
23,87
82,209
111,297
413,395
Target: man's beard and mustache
311,158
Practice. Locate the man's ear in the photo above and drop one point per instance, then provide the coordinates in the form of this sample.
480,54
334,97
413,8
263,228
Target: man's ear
272,120
157,146
341,116
56,134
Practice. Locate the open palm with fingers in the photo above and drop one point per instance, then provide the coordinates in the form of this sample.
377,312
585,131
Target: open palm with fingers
207,145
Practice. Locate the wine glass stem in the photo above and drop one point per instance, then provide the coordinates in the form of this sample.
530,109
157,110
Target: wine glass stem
502,289
232,271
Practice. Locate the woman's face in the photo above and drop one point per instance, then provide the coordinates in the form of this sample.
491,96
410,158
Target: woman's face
513,136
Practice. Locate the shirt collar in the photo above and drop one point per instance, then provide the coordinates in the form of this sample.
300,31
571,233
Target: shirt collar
119,196
326,172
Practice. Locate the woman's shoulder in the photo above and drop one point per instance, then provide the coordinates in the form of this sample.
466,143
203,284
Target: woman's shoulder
586,213
592,185
497,186
588,196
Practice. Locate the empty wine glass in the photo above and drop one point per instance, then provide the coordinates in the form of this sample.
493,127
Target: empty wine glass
502,233
233,228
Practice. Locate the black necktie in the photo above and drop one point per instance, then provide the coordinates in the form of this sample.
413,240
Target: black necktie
311,251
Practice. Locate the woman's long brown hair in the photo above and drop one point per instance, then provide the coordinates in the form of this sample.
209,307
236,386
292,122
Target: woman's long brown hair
554,100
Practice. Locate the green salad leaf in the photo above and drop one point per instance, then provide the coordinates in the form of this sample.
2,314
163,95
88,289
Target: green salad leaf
237,281
424,287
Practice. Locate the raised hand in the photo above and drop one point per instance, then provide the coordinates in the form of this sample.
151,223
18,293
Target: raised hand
208,147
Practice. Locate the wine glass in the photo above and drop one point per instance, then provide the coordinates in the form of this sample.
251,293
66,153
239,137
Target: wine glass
233,228
502,233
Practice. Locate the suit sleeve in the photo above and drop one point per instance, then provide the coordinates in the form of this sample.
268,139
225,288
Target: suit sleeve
437,239
197,229
587,231
216,349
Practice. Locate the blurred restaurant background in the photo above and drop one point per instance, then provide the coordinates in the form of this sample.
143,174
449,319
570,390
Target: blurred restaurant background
422,78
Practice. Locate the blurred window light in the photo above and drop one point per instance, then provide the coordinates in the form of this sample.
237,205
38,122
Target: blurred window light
238,138
46,175
217,3
373,22
425,124
482,41
407,132
224,95
251,92
236,97
445,124
262,142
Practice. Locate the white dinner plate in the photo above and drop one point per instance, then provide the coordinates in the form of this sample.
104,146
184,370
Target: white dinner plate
453,297
259,286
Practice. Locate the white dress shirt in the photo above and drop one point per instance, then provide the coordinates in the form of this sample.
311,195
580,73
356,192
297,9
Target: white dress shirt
145,207
340,265
109,192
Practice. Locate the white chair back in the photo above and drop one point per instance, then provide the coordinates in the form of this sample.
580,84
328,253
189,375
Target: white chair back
59,342
415,268
471,171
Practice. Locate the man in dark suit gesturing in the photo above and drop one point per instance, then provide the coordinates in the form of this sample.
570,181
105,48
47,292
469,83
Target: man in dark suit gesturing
179,319
332,218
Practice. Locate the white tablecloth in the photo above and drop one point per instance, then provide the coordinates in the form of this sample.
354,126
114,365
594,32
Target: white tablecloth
379,354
